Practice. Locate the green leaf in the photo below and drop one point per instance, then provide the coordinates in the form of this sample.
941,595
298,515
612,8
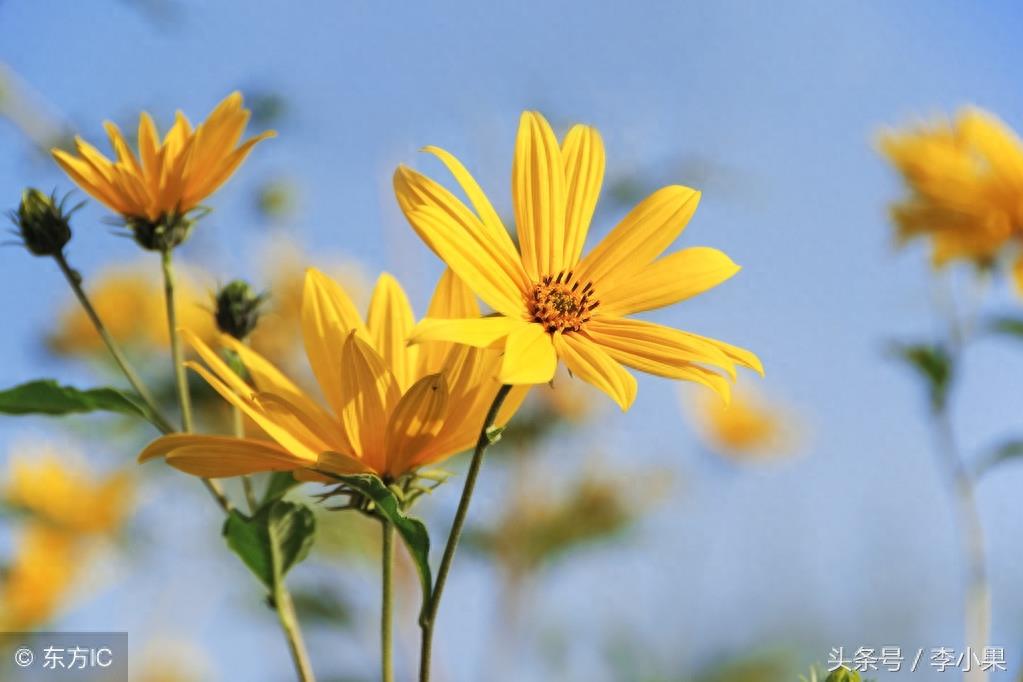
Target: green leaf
273,540
1006,325
1009,450
278,486
412,531
46,396
934,364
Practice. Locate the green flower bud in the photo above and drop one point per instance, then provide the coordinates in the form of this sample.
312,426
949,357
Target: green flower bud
843,675
164,234
42,223
238,309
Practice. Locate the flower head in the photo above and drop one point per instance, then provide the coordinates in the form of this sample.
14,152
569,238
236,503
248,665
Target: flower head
156,190
391,408
745,428
554,303
965,182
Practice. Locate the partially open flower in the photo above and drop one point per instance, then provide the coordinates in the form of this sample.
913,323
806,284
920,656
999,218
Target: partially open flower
157,190
391,407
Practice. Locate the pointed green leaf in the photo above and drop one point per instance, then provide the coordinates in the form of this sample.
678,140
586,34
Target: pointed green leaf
934,364
1006,326
412,531
278,486
1003,452
273,540
46,396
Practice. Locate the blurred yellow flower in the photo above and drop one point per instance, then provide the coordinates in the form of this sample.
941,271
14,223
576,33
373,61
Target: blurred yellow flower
392,407
746,427
59,491
35,584
173,176
130,303
554,304
965,182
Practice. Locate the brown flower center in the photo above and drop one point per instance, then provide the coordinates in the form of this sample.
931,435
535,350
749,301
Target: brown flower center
562,303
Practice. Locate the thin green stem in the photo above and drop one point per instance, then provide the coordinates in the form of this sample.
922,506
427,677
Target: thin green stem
74,280
977,599
977,608
180,377
387,600
429,617
238,420
285,609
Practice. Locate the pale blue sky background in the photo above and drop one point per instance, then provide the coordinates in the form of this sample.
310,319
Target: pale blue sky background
771,109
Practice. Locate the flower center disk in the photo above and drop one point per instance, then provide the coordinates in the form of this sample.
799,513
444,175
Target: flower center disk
562,303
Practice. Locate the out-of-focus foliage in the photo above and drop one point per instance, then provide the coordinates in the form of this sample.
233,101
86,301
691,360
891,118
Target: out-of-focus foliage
538,527
933,363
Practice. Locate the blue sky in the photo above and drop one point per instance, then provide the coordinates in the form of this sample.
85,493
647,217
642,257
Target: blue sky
771,110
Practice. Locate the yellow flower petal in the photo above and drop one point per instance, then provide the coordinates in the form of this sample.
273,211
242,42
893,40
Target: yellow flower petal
390,321
529,356
452,298
538,192
220,456
590,363
640,237
479,332
669,280
268,378
370,393
416,420
461,240
328,315
493,227
290,441
583,155
660,344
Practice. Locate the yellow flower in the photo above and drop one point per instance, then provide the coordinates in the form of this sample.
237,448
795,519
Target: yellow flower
965,182
130,303
35,584
392,408
747,426
554,304
173,177
61,493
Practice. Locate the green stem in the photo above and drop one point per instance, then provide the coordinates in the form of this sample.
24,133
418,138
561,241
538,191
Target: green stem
74,280
289,624
429,617
977,607
387,606
247,487
180,377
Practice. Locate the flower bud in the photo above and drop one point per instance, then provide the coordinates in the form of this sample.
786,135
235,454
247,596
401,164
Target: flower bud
238,308
163,234
42,223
